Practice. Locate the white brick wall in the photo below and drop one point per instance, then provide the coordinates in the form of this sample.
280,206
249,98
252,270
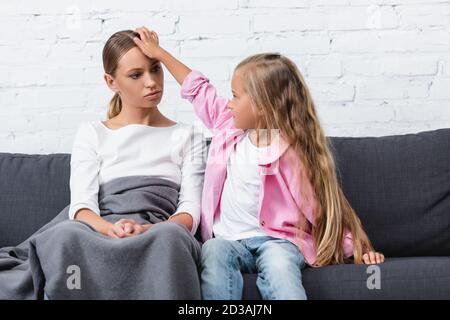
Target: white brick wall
375,67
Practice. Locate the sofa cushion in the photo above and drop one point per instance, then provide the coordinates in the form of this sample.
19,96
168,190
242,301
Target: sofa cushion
414,278
33,190
400,188
398,185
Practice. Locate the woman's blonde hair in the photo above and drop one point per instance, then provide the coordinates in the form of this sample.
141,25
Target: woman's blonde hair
279,93
116,46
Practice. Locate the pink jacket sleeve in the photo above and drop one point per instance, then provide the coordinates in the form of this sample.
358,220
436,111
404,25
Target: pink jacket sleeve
348,244
208,106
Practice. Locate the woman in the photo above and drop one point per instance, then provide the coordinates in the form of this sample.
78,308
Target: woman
136,145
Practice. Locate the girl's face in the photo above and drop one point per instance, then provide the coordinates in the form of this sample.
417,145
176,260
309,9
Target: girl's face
244,115
138,80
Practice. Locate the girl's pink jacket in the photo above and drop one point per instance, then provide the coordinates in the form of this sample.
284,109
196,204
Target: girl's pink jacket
285,189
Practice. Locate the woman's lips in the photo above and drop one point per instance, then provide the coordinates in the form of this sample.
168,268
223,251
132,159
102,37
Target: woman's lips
153,96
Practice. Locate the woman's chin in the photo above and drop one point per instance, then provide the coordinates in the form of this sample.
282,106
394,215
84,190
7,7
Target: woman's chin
152,104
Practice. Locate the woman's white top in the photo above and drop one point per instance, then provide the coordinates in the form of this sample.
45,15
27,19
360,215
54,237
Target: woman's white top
101,154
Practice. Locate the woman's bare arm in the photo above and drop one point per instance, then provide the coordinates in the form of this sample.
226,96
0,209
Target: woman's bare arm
99,224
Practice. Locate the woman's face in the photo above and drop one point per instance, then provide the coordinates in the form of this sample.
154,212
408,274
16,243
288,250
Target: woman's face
138,80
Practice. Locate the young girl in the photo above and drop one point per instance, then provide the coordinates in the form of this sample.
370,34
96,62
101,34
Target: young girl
271,199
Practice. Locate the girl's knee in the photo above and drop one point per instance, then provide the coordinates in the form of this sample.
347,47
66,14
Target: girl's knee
215,250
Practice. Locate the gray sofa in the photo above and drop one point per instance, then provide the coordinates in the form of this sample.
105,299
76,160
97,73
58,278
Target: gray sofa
398,185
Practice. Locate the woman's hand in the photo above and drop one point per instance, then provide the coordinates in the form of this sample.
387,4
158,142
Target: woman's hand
149,43
126,228
372,257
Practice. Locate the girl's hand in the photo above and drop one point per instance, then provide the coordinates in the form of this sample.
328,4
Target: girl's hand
148,43
373,257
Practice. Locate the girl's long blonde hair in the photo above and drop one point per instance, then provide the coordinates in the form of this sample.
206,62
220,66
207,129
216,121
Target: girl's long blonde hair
278,91
116,46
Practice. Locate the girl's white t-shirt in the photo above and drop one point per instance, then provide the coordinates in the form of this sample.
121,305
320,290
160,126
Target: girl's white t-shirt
239,205
101,154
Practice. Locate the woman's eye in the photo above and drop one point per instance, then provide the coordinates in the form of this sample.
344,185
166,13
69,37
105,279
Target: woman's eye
155,69
135,76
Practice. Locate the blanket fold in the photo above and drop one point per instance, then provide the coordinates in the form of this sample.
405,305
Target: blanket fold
67,259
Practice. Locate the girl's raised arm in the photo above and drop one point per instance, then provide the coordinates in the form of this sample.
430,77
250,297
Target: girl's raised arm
149,44
208,105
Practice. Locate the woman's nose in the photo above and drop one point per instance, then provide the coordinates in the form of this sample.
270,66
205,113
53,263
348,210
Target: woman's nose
149,81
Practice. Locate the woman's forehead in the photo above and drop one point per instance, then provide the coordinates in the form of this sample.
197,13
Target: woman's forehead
135,59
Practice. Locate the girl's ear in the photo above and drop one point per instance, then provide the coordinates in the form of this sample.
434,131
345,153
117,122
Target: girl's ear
110,82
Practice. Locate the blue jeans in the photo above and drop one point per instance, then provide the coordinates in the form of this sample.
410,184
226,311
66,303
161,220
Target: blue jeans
277,262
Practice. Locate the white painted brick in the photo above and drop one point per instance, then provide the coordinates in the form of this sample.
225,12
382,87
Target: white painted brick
65,76
295,44
380,89
392,41
52,97
98,97
13,123
70,120
361,66
27,76
336,92
324,67
43,122
424,16
298,20
375,67
406,66
67,53
93,75
354,114
440,89
446,67
356,42
427,111
215,47
186,116
426,41
30,53
218,24
201,5
163,24
135,6
171,95
5,77
217,69
349,18
383,17
7,98
51,7
274,4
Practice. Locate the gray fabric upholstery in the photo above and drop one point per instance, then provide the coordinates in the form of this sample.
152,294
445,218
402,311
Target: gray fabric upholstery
400,188
398,185
33,190
414,278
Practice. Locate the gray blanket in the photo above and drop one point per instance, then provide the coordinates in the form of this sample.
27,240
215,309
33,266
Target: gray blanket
67,259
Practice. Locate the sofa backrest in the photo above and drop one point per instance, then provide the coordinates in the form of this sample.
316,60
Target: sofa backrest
33,190
400,188
398,185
